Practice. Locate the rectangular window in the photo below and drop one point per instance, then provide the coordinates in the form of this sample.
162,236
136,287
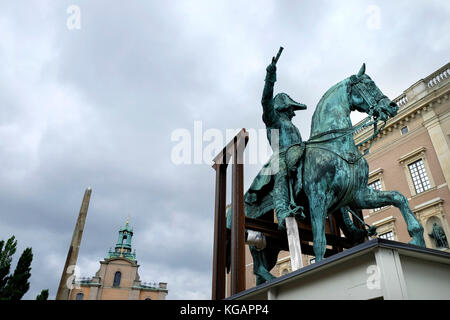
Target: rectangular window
404,130
376,185
419,176
388,236
312,260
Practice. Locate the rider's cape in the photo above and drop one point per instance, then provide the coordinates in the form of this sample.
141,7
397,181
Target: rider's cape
258,198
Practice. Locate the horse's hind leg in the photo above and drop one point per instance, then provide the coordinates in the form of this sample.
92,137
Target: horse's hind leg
261,265
369,199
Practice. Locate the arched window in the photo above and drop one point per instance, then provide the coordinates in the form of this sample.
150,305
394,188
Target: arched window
117,277
79,296
148,298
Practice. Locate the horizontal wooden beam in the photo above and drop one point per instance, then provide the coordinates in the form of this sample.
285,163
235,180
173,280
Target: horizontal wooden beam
270,229
282,243
224,156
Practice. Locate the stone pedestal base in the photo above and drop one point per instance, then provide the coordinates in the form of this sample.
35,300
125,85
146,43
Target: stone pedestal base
377,269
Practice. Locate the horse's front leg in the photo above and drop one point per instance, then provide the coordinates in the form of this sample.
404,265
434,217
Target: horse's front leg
369,198
318,219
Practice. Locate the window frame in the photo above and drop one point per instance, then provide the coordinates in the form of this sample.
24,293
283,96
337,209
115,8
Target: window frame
380,189
114,285
386,225
385,233
410,158
419,179
377,174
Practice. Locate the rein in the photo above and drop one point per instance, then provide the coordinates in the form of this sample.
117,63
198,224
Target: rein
345,132
313,143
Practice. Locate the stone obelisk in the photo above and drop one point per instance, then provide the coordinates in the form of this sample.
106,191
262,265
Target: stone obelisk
72,255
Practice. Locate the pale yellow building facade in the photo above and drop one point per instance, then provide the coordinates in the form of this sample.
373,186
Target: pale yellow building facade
412,155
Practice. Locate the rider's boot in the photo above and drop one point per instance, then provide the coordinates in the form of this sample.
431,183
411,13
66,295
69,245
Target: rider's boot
281,200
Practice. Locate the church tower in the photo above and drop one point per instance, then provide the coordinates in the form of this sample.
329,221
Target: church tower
118,277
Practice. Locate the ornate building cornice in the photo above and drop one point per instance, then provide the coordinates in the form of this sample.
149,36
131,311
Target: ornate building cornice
421,96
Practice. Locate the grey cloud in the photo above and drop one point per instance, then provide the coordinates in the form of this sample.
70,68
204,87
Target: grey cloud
97,106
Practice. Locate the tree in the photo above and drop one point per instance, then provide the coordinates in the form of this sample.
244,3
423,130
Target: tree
43,295
14,286
6,254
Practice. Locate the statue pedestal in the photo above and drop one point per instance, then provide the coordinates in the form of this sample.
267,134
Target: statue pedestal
377,269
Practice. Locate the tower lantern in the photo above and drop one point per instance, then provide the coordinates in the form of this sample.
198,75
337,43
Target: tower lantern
123,245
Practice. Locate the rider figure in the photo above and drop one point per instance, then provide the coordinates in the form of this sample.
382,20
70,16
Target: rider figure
278,112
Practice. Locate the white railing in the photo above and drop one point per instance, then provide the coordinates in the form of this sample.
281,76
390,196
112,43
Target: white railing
439,76
401,100
82,280
149,285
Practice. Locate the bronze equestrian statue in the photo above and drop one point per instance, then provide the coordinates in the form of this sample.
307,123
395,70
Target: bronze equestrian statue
325,175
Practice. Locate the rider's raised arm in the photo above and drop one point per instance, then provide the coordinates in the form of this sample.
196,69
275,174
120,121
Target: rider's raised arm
267,97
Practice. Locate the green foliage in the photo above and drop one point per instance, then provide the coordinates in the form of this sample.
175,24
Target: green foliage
13,287
43,295
6,253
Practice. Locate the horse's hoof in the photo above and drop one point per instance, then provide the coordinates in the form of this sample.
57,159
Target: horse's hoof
263,276
372,231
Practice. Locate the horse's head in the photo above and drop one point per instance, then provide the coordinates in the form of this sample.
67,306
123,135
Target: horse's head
366,97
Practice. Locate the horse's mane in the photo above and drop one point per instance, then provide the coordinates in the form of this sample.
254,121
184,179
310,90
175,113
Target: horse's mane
325,97
332,90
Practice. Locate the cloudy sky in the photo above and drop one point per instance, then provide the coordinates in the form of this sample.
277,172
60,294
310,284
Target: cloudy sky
98,106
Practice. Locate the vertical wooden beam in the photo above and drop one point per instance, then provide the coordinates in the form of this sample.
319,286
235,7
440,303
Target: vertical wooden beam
219,251
238,218
235,148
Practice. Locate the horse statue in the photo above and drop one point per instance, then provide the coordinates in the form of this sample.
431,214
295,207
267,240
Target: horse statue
334,174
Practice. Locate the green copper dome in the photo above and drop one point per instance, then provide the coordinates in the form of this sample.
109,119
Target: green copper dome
123,245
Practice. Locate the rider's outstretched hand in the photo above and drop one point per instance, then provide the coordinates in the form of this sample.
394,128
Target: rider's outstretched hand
272,68
271,71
